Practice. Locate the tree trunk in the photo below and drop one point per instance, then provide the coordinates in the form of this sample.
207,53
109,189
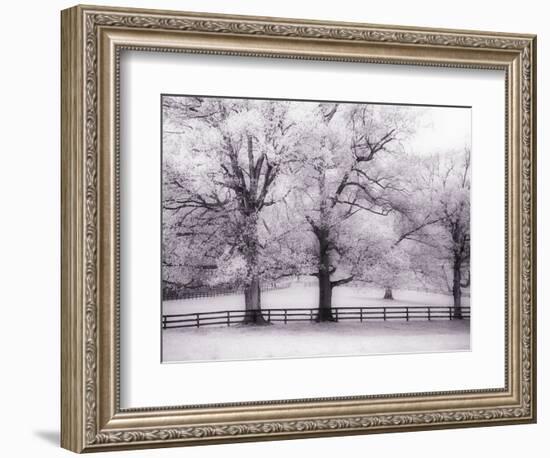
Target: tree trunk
388,293
252,301
252,291
325,286
325,297
457,291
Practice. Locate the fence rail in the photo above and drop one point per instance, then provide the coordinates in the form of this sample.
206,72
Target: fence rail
286,315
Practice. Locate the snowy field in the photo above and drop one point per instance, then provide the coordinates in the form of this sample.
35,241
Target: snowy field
295,340
298,296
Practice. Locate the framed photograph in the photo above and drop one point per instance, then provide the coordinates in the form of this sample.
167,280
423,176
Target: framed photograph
277,228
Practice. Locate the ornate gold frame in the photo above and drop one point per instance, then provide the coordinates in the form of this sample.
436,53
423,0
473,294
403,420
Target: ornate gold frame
92,38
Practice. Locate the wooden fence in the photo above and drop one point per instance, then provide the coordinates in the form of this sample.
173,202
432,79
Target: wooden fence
280,315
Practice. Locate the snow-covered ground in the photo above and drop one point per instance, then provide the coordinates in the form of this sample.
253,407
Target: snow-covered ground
299,296
295,340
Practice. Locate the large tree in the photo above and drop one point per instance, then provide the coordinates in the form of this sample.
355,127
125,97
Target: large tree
438,222
222,164
350,170
454,207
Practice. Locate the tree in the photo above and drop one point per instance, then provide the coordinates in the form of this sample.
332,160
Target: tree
454,206
350,169
392,268
223,159
439,221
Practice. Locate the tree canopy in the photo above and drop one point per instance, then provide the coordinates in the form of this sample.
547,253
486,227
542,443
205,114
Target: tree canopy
257,190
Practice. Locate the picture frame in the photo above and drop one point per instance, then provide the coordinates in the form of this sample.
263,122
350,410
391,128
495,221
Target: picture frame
93,39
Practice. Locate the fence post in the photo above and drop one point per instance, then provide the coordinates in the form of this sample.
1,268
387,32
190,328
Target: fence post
163,321
198,320
384,313
407,310
228,319
285,316
429,314
450,313
336,309
361,315
269,315
310,314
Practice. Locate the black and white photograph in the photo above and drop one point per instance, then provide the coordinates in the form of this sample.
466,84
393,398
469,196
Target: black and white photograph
313,228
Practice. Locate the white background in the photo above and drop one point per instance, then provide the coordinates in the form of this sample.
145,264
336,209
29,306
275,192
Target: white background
29,242
146,75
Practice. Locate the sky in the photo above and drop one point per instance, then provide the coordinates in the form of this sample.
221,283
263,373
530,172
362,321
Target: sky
441,129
